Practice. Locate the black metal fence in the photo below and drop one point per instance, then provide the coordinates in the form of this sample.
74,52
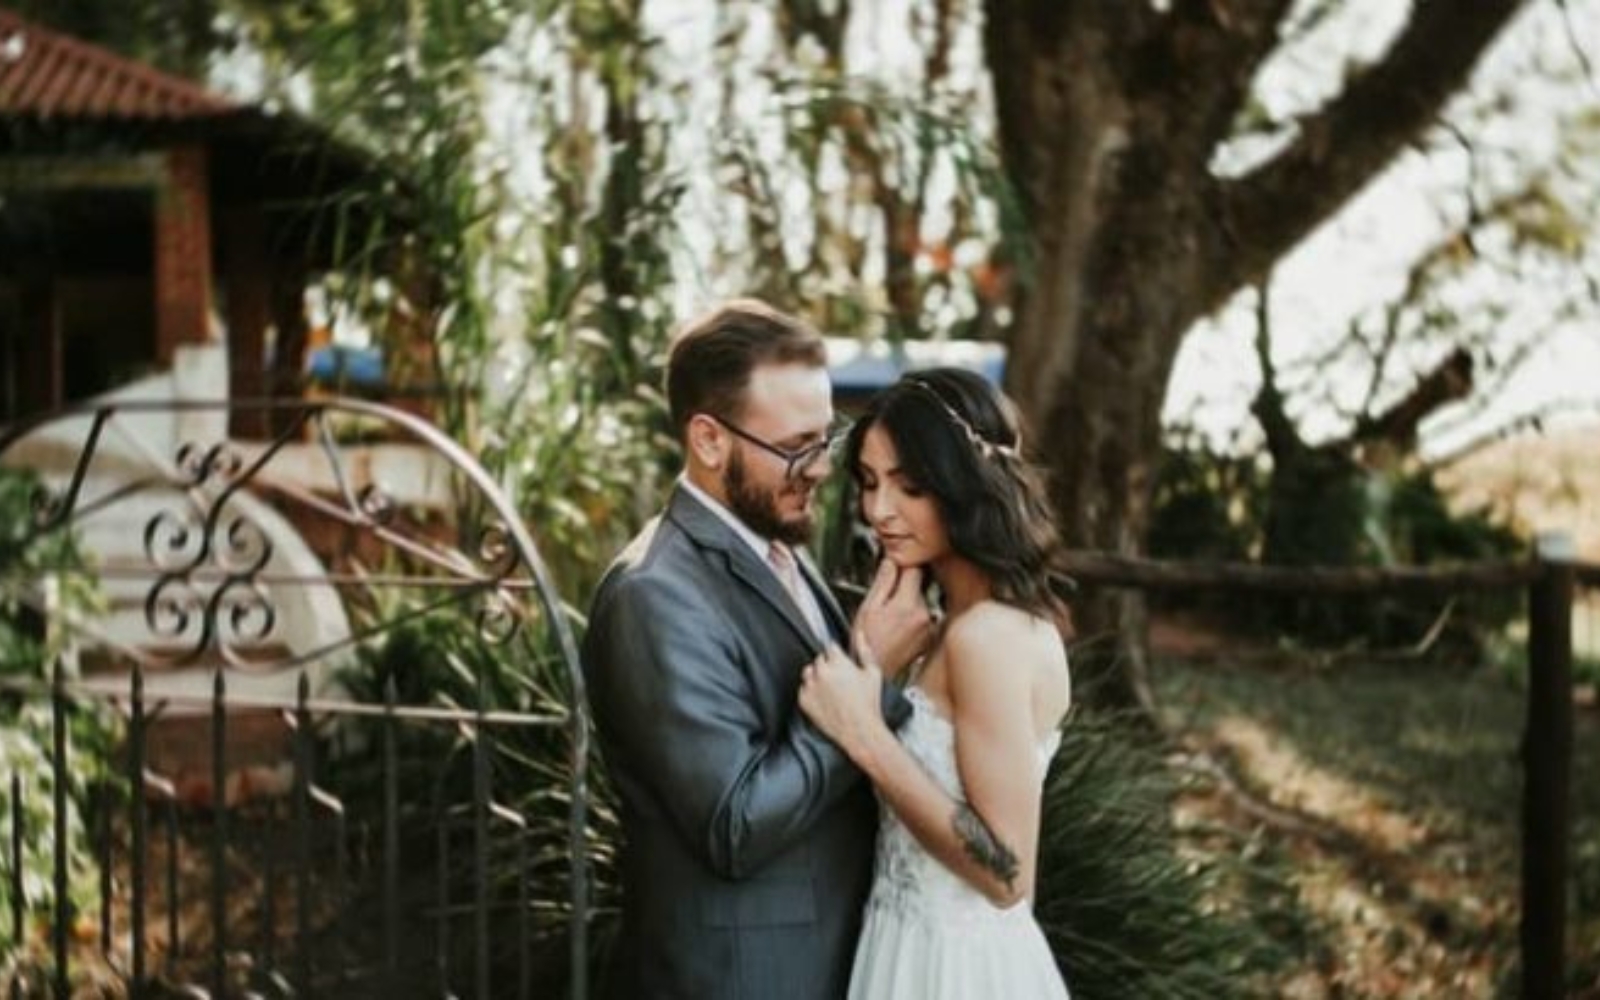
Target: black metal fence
319,735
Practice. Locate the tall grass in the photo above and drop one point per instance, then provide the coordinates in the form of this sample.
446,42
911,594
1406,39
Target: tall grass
1127,914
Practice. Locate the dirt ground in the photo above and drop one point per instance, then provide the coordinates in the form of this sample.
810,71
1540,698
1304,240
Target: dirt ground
1376,808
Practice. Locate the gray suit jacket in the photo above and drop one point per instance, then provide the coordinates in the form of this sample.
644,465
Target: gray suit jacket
748,835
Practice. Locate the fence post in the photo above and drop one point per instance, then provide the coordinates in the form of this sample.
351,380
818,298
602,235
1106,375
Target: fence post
1547,771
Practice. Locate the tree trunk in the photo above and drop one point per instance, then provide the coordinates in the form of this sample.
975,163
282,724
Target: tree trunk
1099,314
1109,117
1103,426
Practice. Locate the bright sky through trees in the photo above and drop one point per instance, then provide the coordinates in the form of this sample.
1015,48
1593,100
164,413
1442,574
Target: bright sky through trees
1534,92
1534,105
1533,110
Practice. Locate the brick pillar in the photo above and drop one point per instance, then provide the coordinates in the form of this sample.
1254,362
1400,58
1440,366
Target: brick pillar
247,290
41,378
183,253
288,306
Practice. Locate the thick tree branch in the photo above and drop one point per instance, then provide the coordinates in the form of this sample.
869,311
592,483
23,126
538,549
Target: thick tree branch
1048,60
1216,47
1283,438
1449,381
1015,39
936,62
799,18
1267,211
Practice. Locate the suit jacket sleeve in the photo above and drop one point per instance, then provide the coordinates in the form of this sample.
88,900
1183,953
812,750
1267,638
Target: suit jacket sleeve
679,711
895,706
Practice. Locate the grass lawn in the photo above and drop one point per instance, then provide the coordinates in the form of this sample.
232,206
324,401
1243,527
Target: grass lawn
1378,820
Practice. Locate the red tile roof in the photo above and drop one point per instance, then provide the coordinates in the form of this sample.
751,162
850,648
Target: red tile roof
45,74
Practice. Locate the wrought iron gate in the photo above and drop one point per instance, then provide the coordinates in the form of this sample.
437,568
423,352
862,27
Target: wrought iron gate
337,699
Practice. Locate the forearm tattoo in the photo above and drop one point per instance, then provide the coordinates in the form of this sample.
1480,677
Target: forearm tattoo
983,846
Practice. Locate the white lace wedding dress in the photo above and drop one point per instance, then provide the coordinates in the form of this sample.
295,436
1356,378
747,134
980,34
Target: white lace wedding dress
927,934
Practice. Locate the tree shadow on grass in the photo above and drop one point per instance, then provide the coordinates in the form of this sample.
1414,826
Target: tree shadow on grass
1411,771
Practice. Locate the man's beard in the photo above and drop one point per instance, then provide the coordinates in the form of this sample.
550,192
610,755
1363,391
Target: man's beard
758,508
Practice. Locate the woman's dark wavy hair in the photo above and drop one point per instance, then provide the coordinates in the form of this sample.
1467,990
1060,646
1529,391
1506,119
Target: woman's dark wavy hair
960,440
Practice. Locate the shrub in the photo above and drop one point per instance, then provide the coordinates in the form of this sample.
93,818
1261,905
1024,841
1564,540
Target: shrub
442,660
30,561
1214,506
1127,914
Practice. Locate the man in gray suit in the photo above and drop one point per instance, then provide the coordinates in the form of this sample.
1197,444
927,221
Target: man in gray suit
748,836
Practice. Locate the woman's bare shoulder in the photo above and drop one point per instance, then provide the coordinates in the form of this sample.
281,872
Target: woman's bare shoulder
995,634
993,621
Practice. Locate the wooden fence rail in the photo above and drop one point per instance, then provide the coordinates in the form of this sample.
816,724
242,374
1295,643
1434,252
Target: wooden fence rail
1551,581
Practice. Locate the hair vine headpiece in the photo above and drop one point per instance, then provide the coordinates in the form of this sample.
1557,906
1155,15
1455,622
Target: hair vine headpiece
985,447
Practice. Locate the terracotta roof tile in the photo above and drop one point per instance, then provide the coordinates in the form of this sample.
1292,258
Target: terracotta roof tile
45,74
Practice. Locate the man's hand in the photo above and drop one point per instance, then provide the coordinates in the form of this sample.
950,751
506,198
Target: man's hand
893,626
841,698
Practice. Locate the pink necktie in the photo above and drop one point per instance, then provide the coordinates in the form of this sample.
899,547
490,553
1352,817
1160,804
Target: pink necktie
783,563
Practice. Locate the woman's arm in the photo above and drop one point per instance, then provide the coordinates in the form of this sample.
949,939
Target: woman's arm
989,840
991,662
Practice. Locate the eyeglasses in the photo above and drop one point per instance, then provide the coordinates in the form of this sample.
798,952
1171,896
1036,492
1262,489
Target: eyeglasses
798,460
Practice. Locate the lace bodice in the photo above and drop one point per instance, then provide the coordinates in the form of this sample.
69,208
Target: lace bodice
908,877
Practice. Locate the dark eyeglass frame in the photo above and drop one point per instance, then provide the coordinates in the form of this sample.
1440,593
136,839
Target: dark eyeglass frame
798,460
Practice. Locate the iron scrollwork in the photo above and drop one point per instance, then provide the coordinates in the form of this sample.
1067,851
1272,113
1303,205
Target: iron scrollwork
497,552
199,466
201,545
376,505
499,617
208,557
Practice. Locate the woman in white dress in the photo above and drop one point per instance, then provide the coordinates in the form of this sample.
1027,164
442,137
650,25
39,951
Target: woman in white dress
946,492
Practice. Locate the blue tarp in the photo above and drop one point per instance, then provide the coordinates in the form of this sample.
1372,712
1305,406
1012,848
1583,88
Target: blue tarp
342,365
858,368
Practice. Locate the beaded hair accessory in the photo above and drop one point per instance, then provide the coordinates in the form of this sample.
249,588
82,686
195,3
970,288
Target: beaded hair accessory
985,447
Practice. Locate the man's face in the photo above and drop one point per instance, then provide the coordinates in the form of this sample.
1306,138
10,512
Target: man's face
790,407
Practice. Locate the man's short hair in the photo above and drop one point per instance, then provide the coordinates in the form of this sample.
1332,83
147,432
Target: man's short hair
712,357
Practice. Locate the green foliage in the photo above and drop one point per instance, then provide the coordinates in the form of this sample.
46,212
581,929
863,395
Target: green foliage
441,659
1127,914
1586,668
33,558
1421,529
1208,505
543,317
894,144
1585,925
25,740
1211,506
176,35
1315,512
32,561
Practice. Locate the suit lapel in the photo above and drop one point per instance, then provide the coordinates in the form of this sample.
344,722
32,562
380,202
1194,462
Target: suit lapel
708,530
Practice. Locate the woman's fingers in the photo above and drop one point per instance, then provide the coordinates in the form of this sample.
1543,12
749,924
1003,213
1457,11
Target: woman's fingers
882,580
866,656
908,585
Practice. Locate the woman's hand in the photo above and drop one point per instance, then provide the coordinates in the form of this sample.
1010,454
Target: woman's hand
842,698
893,625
